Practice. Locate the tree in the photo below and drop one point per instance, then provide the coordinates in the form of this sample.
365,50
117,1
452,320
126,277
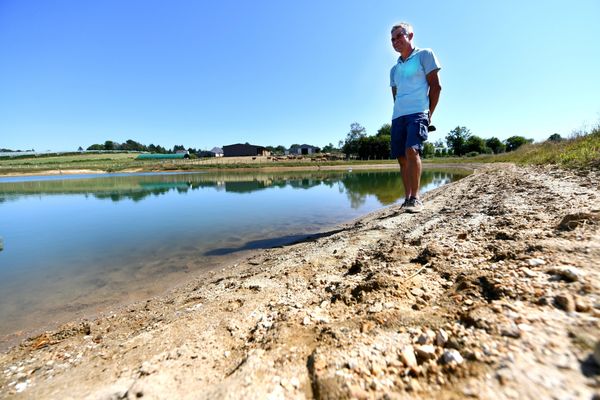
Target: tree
132,145
374,147
329,148
496,145
280,150
109,145
96,147
457,138
428,150
475,144
514,142
351,144
555,137
178,147
385,130
80,148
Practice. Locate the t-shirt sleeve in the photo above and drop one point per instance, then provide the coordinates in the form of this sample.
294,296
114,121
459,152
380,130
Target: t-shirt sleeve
429,61
392,83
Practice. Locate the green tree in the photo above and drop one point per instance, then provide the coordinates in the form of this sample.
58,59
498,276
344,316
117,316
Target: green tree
514,142
385,130
496,145
555,137
428,150
329,148
96,147
351,144
457,138
109,145
280,150
475,144
374,147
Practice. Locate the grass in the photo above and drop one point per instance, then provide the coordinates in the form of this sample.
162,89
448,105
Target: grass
581,151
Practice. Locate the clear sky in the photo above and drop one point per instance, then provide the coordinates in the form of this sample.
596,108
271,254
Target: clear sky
275,72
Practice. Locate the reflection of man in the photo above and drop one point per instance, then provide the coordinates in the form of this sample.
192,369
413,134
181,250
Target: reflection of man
416,90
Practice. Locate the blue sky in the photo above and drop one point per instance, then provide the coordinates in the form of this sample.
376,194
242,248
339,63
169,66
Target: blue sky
205,74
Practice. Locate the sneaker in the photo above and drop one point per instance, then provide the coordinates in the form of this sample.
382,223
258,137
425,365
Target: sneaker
405,204
414,206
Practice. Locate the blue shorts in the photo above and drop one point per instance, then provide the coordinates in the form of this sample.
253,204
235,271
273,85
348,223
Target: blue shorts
409,131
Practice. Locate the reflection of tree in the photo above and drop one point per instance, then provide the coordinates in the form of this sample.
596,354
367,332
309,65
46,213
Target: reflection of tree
386,186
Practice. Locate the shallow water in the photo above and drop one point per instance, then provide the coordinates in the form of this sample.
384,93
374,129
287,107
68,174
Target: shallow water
77,245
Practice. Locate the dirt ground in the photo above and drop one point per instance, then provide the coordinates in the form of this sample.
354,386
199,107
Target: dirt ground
491,292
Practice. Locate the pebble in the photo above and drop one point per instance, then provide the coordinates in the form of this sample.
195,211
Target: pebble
425,352
568,273
407,355
19,387
534,262
511,330
452,355
306,320
375,308
441,338
564,302
426,337
582,305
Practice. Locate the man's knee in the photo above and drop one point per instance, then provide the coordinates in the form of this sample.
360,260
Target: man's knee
412,153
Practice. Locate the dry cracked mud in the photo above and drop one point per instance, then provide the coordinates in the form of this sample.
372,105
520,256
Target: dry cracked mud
491,292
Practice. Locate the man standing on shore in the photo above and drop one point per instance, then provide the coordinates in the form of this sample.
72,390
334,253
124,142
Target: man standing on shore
416,89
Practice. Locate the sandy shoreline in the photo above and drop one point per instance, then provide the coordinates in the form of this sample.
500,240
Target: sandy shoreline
492,291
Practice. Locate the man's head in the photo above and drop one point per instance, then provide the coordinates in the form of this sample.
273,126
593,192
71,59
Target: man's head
402,35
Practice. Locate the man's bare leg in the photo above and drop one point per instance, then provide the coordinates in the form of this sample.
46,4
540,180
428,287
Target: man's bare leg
413,163
405,178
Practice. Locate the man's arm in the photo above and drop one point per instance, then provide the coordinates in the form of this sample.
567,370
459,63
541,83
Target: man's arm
434,90
394,93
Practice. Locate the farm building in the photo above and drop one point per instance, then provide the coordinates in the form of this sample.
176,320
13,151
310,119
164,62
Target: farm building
304,149
239,150
218,152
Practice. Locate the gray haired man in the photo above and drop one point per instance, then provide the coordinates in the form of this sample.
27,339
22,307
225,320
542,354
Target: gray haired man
416,90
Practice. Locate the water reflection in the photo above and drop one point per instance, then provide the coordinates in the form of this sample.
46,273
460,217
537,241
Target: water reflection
386,186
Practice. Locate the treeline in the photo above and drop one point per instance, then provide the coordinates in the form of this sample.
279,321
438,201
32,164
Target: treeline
132,145
458,142
15,151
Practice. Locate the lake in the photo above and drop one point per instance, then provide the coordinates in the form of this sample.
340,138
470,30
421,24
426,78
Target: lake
77,245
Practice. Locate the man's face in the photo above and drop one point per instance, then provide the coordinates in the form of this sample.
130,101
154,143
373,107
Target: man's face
400,39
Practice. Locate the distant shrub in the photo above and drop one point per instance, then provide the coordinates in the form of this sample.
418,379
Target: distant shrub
472,154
